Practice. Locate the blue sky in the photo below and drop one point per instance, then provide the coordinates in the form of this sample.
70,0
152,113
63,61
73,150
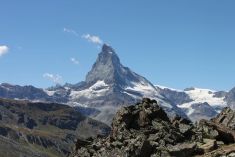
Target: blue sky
172,43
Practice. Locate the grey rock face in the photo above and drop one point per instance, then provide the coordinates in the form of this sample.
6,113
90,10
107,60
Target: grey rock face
202,111
175,97
220,94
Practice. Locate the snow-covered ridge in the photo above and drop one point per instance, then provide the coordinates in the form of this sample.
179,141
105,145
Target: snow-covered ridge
164,87
203,95
142,87
49,92
196,100
96,90
199,95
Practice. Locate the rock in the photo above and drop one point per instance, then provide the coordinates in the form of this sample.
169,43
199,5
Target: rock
143,130
209,145
224,151
221,127
226,118
183,149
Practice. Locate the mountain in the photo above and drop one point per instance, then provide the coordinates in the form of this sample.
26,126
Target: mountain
32,93
110,85
42,129
145,130
197,103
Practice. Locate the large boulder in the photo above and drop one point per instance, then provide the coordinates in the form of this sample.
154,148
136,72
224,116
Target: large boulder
221,128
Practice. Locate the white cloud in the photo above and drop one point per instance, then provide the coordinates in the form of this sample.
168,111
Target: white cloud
92,38
71,31
3,50
74,60
55,78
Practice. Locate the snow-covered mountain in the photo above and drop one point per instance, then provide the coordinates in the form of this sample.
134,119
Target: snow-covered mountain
110,85
197,103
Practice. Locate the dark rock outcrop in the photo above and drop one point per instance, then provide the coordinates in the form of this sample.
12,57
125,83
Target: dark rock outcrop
221,128
143,130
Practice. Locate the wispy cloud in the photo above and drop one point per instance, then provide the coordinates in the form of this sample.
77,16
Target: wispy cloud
53,77
3,50
71,31
92,38
74,60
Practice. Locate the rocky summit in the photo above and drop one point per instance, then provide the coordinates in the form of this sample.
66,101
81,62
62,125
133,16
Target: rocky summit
144,130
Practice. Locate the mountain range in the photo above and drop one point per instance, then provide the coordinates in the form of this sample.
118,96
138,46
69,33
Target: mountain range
110,85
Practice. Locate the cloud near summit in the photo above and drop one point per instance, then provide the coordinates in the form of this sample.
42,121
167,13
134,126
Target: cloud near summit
92,38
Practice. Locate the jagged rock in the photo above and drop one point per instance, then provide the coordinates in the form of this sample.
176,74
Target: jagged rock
143,130
224,151
209,145
183,150
221,127
226,118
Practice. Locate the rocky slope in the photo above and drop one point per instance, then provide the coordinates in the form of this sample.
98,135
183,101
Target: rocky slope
42,129
144,130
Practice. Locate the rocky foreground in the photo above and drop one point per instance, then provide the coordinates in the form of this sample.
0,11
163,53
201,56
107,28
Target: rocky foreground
144,130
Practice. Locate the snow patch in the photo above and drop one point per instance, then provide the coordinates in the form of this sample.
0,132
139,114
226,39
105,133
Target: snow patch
74,104
98,89
49,93
144,88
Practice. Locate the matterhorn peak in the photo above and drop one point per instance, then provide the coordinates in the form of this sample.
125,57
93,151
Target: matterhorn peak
108,55
106,66
107,48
